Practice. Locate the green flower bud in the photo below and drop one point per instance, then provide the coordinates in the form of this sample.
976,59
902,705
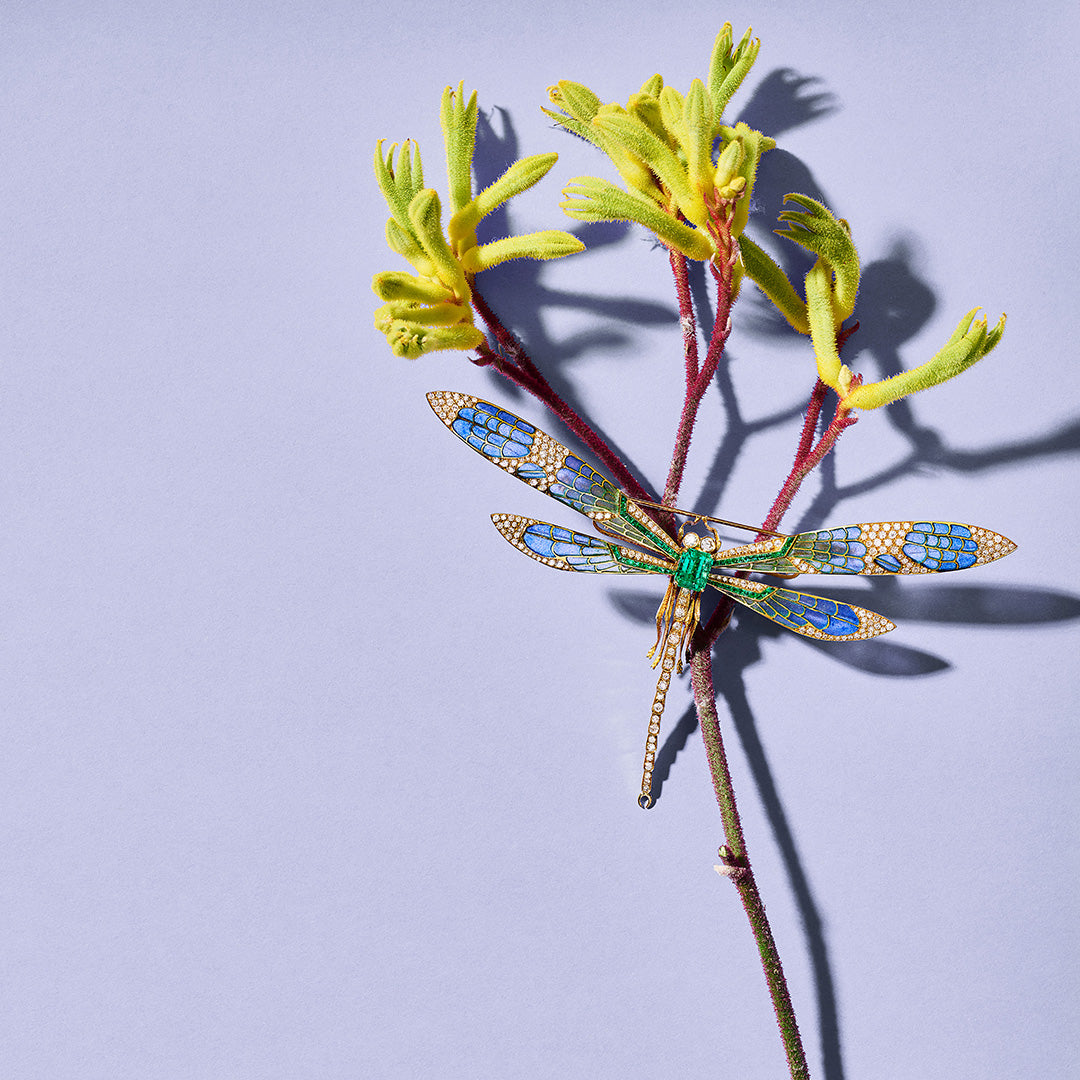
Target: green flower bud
753,144
697,126
828,237
728,67
548,244
411,340
969,343
589,198
396,285
576,100
458,120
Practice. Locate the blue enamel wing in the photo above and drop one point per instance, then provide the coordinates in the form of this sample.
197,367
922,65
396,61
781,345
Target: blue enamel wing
692,562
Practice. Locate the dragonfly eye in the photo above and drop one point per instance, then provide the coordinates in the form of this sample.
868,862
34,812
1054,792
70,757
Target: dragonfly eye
690,540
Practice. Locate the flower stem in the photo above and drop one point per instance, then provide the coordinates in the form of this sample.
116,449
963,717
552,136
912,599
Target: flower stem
686,313
734,856
810,421
515,364
511,360
699,379
737,863
807,460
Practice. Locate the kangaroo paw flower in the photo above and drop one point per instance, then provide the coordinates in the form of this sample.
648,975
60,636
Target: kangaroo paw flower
431,309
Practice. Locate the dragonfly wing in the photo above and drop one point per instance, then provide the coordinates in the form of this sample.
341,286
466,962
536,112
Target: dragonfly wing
880,547
539,460
811,616
566,550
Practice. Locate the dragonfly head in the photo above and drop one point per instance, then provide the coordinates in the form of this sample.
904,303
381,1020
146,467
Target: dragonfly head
708,541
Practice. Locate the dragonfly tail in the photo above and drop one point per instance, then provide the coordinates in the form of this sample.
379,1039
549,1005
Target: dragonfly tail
680,616
645,799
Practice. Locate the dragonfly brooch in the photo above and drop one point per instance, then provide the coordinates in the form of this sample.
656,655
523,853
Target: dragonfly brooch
692,561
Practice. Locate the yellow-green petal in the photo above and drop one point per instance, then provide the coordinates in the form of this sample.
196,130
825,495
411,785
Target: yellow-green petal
822,325
697,126
547,244
575,99
410,340
728,67
399,183
652,86
458,120
519,177
753,144
446,314
774,283
969,343
728,163
397,285
589,198
819,231
632,134
670,105
404,242
425,213
649,111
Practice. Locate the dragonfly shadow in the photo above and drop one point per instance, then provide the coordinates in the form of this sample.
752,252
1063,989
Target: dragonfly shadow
740,647
967,605
741,650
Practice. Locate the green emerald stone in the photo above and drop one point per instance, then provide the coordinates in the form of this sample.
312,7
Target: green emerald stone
693,569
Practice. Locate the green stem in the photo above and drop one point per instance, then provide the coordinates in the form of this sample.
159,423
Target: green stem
737,863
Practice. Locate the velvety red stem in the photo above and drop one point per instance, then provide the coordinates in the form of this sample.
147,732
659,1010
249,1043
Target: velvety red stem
813,411
512,361
804,467
699,380
736,864
686,313
807,459
517,366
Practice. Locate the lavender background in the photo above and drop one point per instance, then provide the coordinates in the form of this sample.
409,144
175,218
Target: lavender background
306,774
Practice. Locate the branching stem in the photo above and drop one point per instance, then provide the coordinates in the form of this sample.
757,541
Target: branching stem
734,854
515,364
698,379
511,360
806,462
